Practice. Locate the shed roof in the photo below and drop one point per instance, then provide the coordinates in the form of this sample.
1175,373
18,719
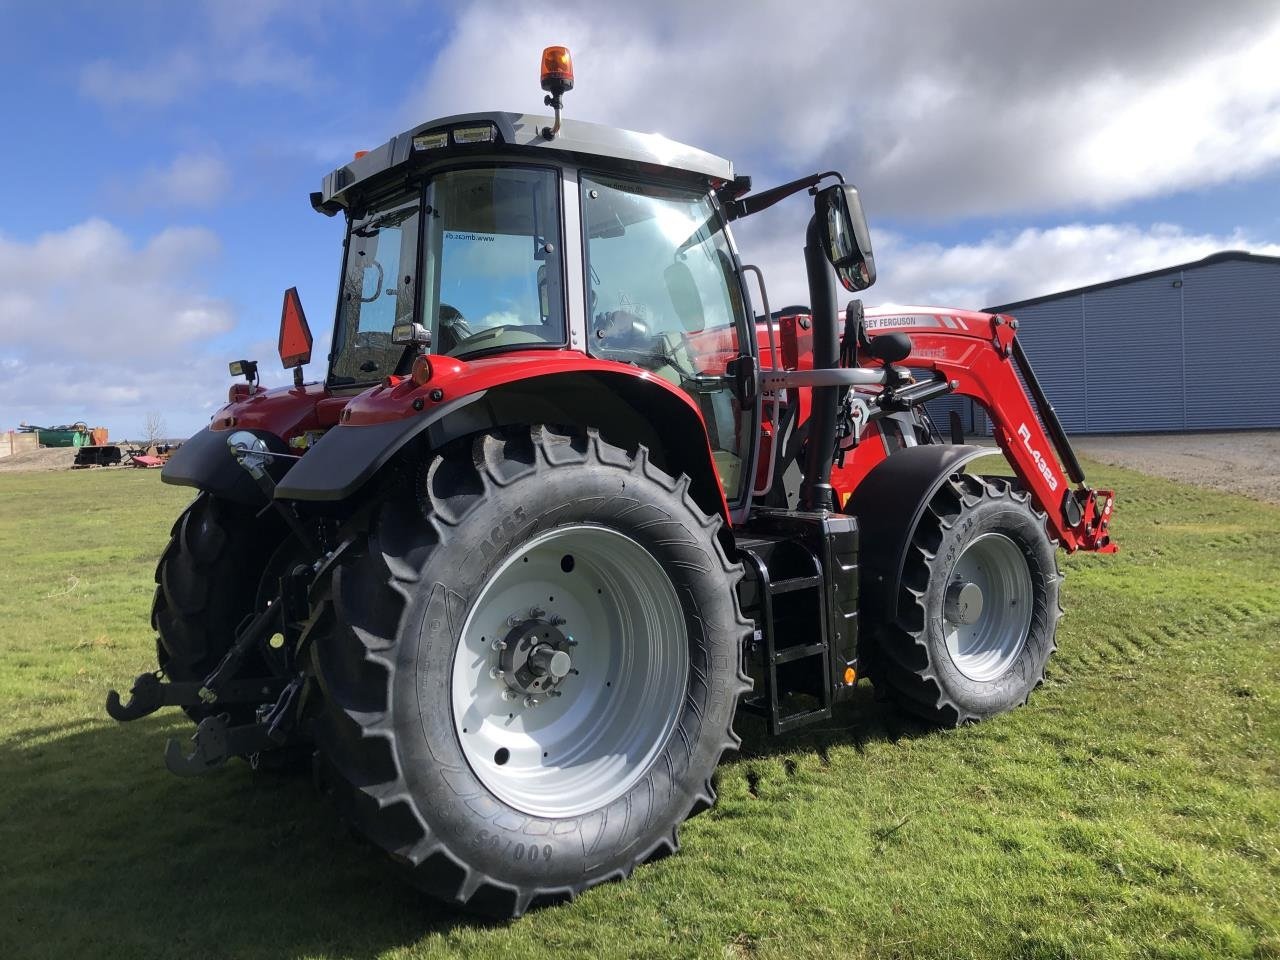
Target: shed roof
1220,257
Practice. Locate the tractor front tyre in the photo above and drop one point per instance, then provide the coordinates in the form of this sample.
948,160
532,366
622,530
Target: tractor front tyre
977,608
207,581
533,669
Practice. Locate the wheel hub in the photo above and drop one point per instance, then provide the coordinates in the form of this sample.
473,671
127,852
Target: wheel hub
534,658
551,726
987,607
963,602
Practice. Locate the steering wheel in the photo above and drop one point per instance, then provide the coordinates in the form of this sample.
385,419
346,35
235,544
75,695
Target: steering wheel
454,329
621,329
487,332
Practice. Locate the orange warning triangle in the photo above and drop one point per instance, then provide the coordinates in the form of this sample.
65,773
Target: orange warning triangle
295,335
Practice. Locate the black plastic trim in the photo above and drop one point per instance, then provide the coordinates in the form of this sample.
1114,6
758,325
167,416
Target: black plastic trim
205,462
347,456
888,504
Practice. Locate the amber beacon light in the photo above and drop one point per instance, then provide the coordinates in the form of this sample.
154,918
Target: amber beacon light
557,79
557,71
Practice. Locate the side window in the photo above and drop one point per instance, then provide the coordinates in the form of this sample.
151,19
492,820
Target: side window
377,291
661,291
663,294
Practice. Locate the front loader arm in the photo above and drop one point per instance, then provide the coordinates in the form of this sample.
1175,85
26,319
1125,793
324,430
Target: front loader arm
978,355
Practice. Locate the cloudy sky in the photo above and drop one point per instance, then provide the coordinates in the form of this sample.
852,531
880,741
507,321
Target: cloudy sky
158,156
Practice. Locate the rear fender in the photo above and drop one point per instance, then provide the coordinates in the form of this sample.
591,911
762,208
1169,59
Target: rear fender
626,408
889,503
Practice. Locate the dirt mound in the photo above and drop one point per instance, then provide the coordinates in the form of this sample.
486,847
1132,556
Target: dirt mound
46,458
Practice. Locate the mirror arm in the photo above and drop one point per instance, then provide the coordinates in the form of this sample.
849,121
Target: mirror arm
754,203
816,492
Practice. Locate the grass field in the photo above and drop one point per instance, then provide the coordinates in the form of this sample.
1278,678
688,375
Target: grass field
1132,809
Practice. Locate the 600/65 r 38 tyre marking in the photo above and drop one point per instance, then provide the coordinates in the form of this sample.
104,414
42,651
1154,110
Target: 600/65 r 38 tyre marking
434,574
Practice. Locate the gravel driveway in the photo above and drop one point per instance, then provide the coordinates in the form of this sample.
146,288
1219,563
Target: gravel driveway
1246,462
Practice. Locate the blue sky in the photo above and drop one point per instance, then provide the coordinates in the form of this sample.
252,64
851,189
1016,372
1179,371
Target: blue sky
159,156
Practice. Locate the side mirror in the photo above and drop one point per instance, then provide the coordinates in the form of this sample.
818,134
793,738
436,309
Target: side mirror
845,236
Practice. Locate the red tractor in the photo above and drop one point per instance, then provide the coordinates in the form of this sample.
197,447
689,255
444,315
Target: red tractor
564,504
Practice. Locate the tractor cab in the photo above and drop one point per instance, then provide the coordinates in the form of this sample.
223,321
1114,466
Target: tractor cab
488,241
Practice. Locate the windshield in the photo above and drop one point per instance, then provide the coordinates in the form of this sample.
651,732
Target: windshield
377,292
662,293
492,267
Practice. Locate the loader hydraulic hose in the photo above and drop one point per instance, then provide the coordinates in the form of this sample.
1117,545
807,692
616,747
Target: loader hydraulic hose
1048,415
816,492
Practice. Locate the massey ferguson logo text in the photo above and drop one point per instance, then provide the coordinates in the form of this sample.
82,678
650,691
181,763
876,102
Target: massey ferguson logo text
1049,478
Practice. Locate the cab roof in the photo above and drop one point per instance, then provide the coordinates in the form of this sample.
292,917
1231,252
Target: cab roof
576,139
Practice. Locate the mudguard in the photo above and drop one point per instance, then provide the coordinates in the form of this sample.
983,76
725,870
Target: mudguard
888,504
205,462
626,408
343,459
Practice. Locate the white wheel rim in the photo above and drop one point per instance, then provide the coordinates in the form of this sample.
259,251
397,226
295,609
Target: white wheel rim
563,755
985,646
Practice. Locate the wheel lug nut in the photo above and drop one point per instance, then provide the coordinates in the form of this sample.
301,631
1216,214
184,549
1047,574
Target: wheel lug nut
508,694
530,701
514,620
497,673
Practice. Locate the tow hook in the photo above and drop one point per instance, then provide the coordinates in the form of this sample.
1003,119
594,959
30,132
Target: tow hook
150,693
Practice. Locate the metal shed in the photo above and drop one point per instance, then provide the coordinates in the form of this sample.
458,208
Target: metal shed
1190,347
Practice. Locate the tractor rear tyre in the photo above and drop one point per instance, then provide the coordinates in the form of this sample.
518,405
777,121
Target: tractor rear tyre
207,581
533,669
977,609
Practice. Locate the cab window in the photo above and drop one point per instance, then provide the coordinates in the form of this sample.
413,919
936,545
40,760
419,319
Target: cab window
662,293
377,292
492,265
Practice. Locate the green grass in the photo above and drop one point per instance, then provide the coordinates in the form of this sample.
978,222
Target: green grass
1132,809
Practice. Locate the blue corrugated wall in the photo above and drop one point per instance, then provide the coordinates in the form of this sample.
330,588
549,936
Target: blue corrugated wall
1194,350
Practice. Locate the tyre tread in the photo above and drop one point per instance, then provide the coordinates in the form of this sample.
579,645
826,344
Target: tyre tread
456,481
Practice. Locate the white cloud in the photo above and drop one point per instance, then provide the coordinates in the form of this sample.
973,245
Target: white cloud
225,43
151,84
186,71
191,180
95,326
939,109
1001,267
